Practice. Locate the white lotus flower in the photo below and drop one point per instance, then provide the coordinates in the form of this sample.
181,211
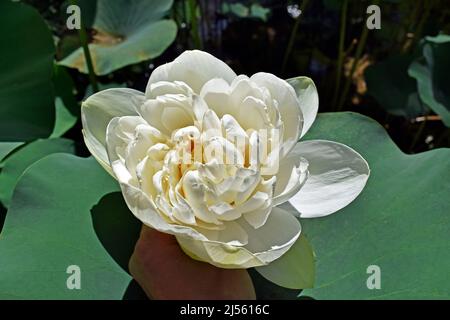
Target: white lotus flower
158,146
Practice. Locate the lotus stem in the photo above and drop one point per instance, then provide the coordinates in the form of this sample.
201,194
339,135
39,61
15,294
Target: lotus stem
87,55
194,24
428,6
82,34
341,53
292,36
413,18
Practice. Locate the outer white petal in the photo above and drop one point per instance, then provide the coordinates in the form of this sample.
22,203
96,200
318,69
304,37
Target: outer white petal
98,110
138,202
264,245
291,177
168,113
288,105
295,269
219,254
258,217
309,100
233,234
194,68
275,237
337,175
252,114
141,206
216,93
166,87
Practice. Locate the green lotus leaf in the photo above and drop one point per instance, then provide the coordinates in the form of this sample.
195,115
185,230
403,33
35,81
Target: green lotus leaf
431,72
395,91
65,89
255,11
116,227
6,148
49,228
127,32
27,110
64,119
400,222
19,161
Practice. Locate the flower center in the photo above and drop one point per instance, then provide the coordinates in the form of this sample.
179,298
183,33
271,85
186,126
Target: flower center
210,173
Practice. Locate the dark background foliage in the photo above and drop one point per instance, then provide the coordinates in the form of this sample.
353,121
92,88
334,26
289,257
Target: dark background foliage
252,44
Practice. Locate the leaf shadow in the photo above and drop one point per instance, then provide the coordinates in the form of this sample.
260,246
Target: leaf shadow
116,227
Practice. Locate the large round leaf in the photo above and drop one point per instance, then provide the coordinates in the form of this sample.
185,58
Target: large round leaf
116,227
6,148
400,222
19,161
128,31
64,119
255,11
395,91
65,89
26,64
49,228
432,75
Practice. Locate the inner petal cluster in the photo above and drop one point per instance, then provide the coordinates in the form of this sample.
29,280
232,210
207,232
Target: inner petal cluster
200,165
